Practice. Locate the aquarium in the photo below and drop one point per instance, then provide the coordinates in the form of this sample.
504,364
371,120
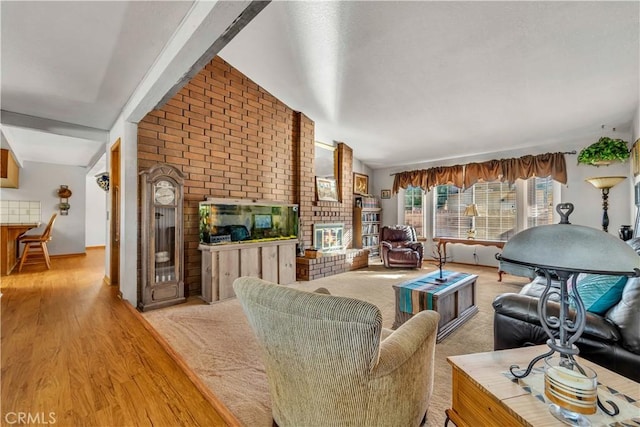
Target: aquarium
226,221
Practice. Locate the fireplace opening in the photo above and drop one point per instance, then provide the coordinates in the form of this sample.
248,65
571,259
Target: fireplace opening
328,237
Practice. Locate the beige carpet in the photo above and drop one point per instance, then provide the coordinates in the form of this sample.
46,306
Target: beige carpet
218,345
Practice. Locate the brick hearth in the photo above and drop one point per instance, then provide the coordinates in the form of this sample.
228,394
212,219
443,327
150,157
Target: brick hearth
331,263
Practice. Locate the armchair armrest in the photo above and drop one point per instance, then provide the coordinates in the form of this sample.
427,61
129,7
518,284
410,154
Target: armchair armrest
416,246
386,245
399,347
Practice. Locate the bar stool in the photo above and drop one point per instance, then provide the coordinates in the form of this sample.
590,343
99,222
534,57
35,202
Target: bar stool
36,245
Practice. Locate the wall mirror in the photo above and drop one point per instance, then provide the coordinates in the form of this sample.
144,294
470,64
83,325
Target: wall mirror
325,161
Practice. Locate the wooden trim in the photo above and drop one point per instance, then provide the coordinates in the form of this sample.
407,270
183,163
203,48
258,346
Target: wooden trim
222,410
68,255
106,280
90,248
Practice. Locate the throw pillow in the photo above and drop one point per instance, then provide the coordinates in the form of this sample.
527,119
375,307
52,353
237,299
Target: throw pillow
600,292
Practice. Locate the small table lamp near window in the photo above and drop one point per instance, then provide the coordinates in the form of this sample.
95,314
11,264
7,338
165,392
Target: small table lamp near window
472,212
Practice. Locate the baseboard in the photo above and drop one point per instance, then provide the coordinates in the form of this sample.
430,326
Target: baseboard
220,408
89,248
68,255
106,280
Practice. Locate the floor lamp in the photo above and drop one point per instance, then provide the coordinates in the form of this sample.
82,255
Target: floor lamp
604,183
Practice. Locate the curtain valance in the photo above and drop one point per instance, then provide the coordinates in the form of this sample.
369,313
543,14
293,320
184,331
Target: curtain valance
464,176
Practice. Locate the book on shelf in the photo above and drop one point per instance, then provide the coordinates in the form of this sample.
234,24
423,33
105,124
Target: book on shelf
367,202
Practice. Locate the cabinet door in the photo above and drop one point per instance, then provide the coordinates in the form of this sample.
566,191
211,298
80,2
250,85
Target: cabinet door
229,270
270,263
209,282
287,263
250,264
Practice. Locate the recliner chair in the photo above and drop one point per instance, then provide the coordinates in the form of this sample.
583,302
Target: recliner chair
326,362
399,247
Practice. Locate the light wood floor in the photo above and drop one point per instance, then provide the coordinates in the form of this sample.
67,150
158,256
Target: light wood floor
71,347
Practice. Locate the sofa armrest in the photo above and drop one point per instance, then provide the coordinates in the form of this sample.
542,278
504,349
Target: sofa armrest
525,308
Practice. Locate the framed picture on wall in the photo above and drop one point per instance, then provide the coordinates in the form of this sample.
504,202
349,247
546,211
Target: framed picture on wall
385,194
635,158
326,189
360,183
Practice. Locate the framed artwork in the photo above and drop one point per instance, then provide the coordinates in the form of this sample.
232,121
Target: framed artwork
360,183
326,189
635,158
385,194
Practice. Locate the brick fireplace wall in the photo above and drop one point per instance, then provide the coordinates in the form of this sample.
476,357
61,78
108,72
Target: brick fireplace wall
233,139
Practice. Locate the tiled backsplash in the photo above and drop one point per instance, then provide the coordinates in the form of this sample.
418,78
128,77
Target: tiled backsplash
19,212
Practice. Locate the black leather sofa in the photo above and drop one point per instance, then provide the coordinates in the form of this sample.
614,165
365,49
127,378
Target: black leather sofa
612,340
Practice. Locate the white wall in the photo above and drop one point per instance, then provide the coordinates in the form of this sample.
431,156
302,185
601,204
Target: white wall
40,182
128,134
95,213
587,200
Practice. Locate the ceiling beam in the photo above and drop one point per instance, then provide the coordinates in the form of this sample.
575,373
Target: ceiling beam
207,28
10,118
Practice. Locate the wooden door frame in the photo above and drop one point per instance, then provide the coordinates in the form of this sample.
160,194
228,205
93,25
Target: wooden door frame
114,217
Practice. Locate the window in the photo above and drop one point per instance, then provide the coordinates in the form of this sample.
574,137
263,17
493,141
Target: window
413,212
496,204
539,201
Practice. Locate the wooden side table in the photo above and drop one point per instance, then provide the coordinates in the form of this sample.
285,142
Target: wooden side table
483,396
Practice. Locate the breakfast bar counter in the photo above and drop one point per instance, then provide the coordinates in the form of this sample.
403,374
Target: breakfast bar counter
9,234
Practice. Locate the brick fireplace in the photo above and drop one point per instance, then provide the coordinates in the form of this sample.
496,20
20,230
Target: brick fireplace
232,139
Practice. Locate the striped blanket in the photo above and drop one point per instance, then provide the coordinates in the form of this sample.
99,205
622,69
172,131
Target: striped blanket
416,295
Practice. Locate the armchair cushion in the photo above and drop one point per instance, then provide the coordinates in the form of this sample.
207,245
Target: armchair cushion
326,363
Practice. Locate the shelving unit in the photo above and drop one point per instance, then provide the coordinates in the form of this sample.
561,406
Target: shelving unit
367,222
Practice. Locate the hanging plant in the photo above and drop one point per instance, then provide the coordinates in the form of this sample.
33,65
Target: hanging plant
605,151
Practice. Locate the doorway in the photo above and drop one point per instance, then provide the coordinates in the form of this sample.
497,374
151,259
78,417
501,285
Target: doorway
114,219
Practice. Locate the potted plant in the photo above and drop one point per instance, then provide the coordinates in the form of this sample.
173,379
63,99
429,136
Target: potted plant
603,152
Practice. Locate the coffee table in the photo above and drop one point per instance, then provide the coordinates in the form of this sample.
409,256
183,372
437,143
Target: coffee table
482,393
454,300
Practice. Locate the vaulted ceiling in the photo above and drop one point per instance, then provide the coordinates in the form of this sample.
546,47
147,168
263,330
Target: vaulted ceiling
400,82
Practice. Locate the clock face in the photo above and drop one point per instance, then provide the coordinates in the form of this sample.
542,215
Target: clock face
165,193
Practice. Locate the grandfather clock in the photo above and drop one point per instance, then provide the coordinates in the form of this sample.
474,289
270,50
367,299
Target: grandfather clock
162,237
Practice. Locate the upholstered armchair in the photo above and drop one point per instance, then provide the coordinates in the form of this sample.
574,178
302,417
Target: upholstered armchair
399,247
326,362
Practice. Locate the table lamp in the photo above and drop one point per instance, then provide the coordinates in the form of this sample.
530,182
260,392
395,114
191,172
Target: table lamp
472,212
604,183
561,252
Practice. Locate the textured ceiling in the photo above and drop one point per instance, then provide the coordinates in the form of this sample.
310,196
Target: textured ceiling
400,82
78,62
406,82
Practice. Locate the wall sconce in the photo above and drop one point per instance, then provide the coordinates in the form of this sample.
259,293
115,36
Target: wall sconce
604,183
102,179
64,193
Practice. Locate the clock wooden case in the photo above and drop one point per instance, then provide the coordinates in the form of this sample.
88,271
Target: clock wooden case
162,237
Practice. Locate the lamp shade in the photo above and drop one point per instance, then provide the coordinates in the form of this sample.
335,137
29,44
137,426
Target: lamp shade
605,181
573,248
471,210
